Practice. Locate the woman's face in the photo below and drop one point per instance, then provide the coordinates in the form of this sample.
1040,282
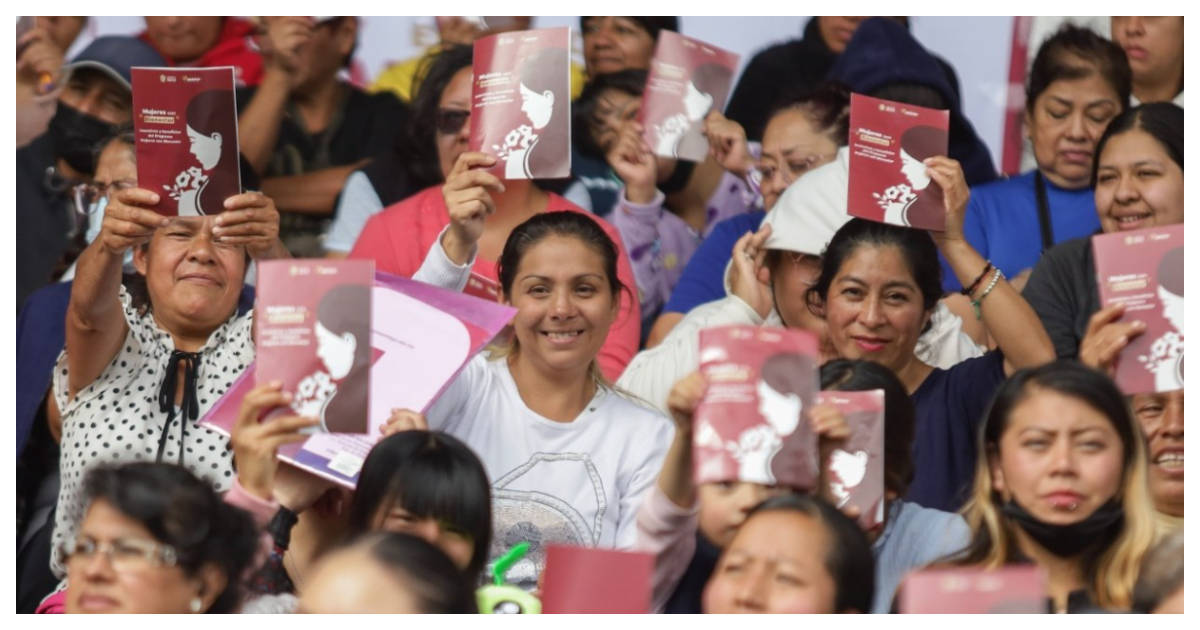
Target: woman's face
133,578
1064,125
194,282
837,30
613,109
612,44
1059,458
1161,418
724,506
1154,46
874,310
775,564
538,106
455,541
790,148
183,39
335,351
564,304
351,581
207,149
1137,184
455,98
791,278
914,171
696,103
781,411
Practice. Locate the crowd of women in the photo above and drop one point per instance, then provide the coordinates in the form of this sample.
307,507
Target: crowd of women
1006,440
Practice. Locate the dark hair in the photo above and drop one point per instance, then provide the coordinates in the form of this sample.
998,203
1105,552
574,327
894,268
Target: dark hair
418,147
1163,121
559,223
207,114
182,511
900,417
1075,52
340,312
827,107
124,134
435,584
1161,574
848,559
912,94
429,474
631,82
916,247
652,24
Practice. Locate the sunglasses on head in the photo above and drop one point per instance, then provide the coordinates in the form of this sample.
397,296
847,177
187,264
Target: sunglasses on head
451,121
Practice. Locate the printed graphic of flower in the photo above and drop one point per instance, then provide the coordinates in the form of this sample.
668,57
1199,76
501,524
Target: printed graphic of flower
190,179
520,138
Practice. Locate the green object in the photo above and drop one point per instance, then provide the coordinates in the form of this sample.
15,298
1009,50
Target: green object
506,599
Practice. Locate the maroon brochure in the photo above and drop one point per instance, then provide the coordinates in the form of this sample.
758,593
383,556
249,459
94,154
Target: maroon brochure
1011,589
186,129
521,102
421,337
586,580
888,143
751,424
688,79
1143,269
313,332
855,470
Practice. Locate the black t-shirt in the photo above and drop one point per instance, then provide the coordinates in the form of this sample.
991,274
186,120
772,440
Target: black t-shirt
44,218
364,126
1062,291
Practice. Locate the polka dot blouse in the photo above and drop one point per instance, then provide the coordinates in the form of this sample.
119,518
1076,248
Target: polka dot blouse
117,418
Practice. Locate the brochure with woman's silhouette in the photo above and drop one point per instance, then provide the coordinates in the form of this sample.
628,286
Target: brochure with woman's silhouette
1144,270
855,469
185,123
313,320
889,142
688,79
751,424
521,102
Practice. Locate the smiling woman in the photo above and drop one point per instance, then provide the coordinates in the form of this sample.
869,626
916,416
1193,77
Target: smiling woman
569,457
141,367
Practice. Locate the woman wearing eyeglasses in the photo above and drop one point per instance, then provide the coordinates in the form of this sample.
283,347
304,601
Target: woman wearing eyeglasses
399,238
156,540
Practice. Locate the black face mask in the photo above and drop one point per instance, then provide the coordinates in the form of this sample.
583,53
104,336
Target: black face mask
1067,541
75,135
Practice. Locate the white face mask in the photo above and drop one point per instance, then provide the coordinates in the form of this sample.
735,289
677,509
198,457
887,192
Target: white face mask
95,217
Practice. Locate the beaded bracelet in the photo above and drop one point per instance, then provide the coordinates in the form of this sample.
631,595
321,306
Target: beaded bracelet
969,289
975,304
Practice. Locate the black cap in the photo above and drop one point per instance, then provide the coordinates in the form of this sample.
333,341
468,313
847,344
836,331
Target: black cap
115,56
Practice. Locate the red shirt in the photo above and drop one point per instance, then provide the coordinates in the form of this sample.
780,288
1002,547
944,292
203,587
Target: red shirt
235,47
399,238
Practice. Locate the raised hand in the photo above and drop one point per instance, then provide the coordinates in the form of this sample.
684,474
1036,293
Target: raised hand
748,278
404,420
1106,337
727,143
128,221
250,219
39,59
631,159
469,203
948,174
255,444
685,396
284,43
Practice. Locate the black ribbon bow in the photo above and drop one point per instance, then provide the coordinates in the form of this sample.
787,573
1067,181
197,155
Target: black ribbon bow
166,398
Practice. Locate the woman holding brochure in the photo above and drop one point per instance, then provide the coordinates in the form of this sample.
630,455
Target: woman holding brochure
145,359
569,458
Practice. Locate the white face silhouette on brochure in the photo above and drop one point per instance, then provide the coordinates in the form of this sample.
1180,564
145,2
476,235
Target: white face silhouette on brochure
781,411
335,351
696,103
538,107
1172,308
207,149
914,170
850,467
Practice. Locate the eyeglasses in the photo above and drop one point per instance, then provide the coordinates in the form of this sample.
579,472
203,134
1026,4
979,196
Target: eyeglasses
88,194
451,121
124,554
